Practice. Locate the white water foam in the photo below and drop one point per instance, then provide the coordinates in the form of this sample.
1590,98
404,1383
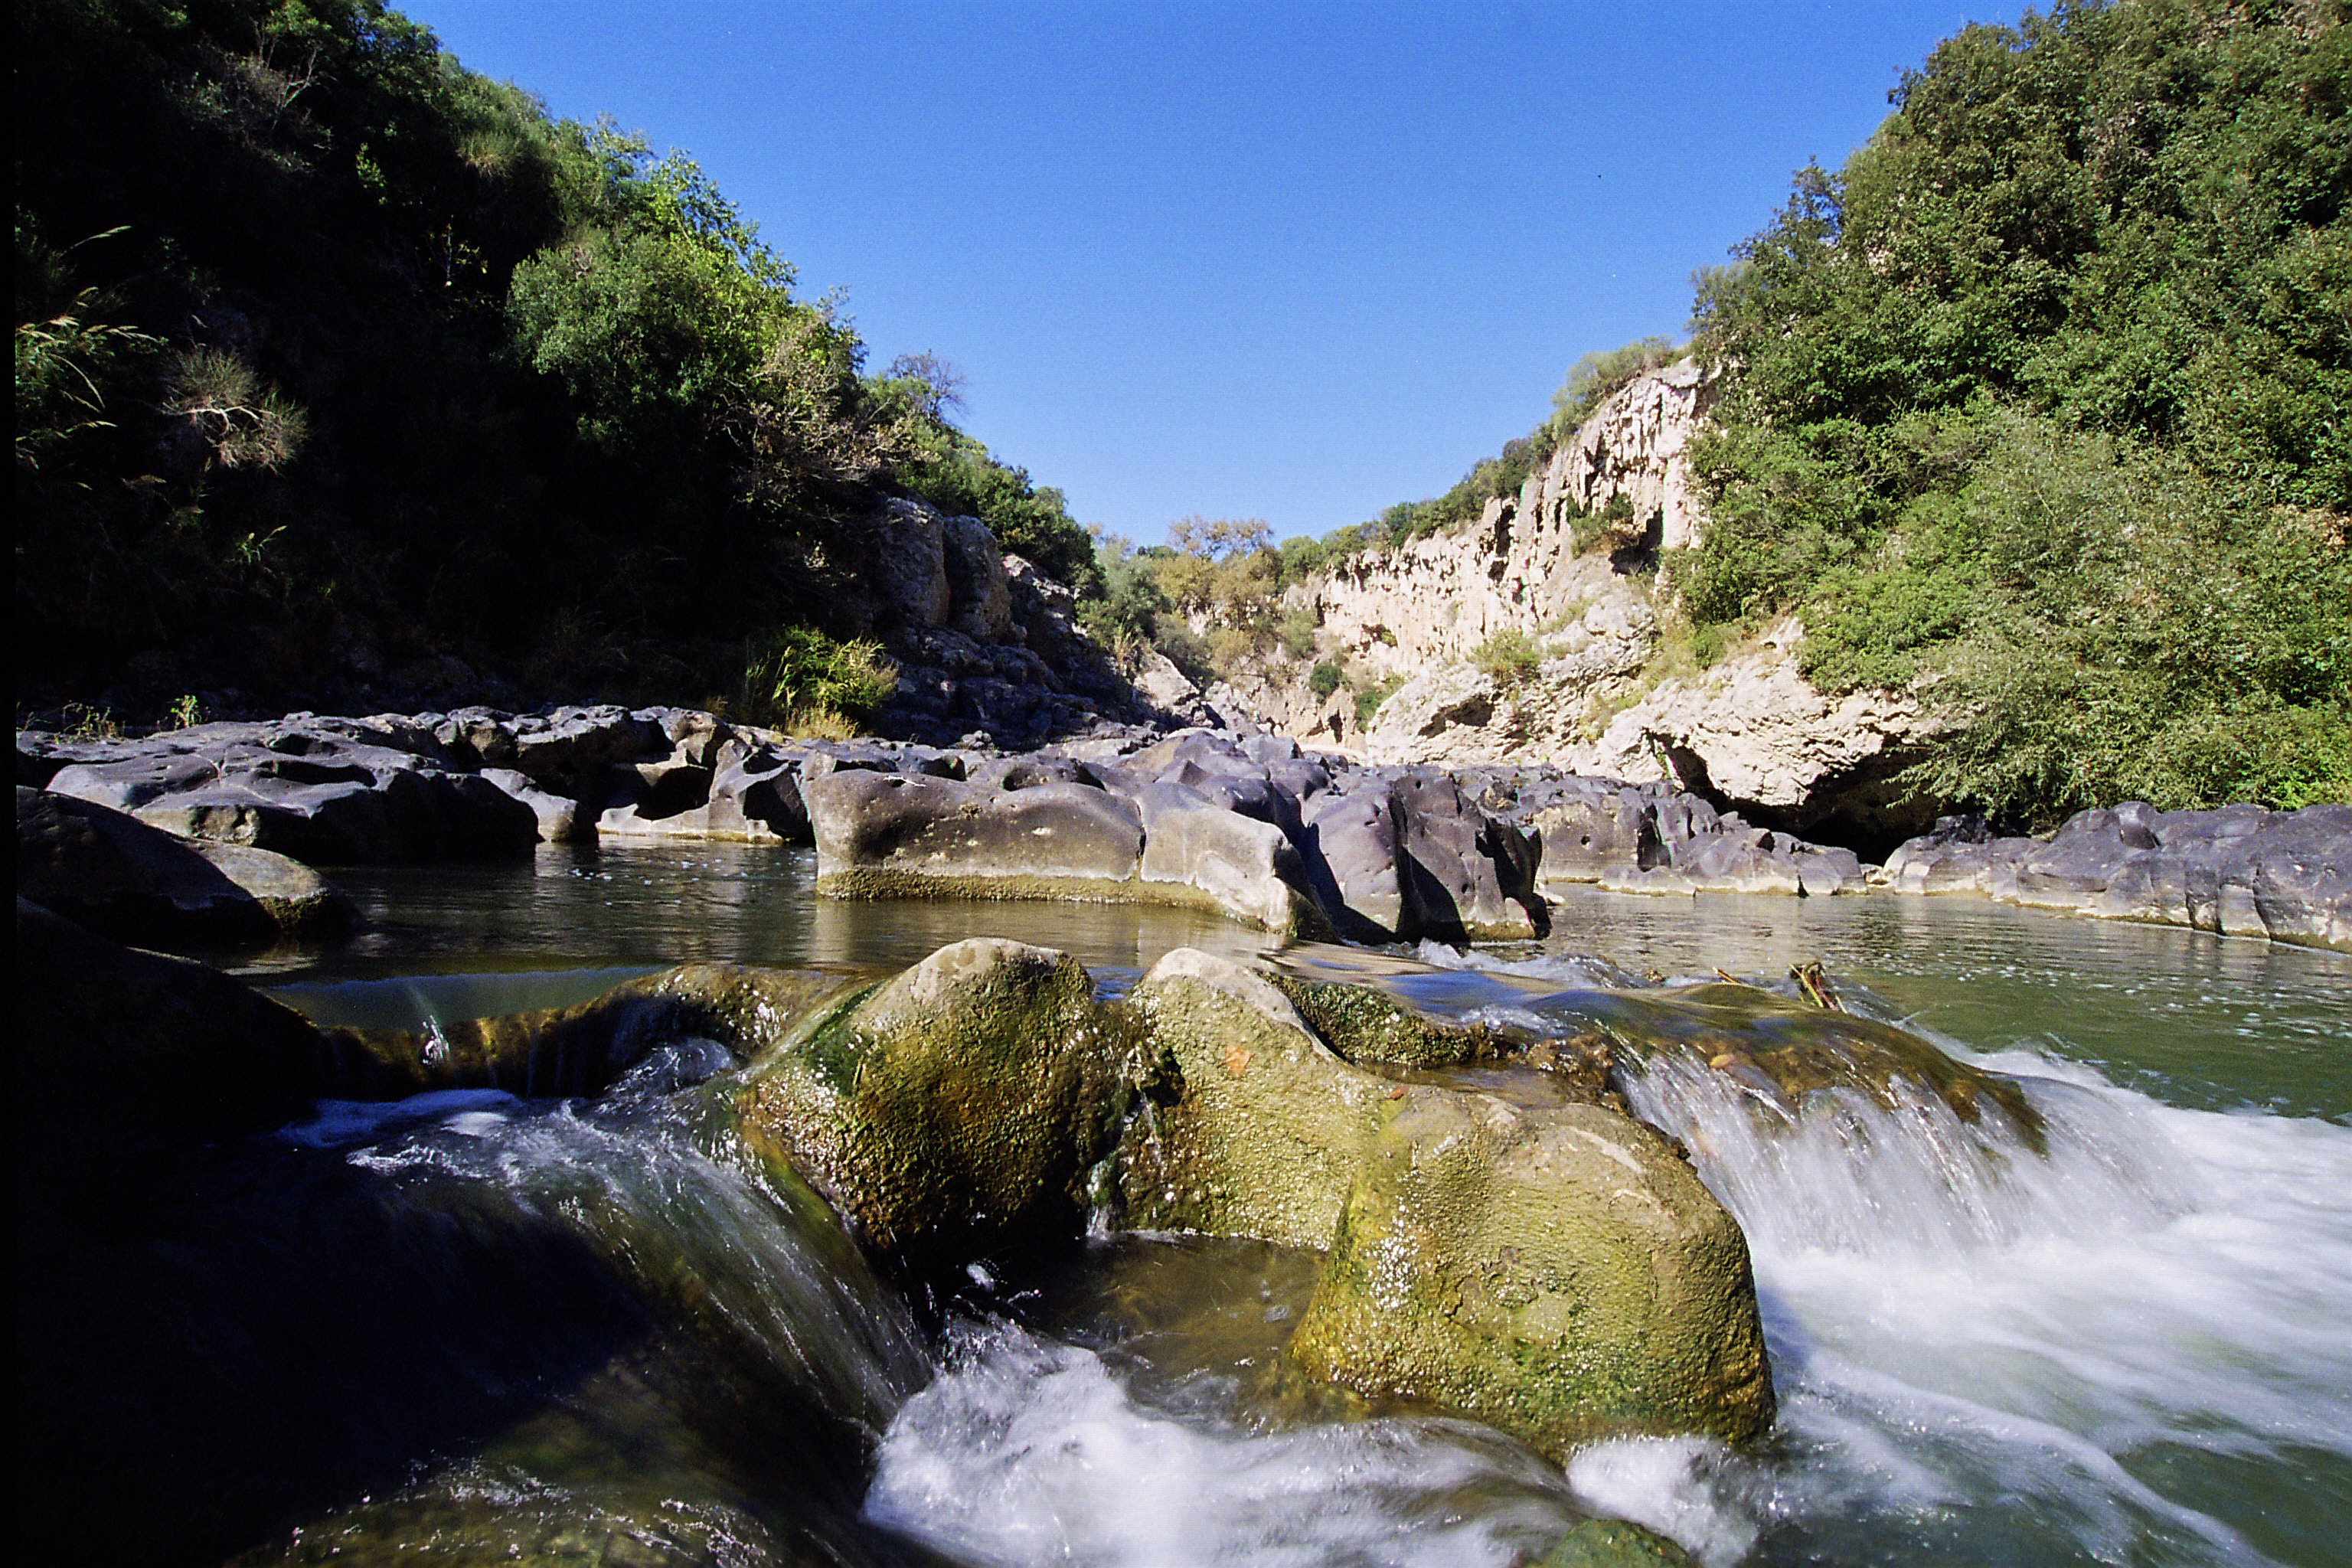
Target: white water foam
1028,1451
1974,1342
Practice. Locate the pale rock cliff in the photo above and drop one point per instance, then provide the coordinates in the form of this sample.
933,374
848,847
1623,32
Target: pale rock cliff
1558,565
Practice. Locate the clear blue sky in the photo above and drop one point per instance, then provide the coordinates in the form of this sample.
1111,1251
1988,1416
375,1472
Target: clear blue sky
1282,260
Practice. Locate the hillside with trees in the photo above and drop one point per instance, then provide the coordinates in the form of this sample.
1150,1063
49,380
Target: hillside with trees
2041,408
2043,403
334,358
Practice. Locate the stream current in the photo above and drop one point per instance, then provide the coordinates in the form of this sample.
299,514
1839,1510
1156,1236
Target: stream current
2134,1347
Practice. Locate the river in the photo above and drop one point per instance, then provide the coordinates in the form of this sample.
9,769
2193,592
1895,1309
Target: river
2134,1348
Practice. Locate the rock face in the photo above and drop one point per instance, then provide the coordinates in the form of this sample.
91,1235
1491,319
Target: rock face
954,1109
1566,568
2240,870
1752,730
1557,1272
122,878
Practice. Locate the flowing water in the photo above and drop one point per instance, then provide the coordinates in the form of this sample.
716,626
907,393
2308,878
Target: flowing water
2134,1345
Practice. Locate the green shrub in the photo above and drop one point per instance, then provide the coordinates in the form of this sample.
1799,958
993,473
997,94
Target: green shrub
1323,681
1592,379
807,682
1299,624
1369,701
2024,417
1509,656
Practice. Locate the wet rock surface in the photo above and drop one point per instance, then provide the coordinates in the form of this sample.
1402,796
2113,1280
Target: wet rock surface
1553,1268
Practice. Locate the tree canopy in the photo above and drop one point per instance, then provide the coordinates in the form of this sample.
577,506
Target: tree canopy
2042,404
331,352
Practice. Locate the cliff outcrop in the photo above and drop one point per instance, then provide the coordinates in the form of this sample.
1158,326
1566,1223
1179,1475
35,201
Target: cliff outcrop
1542,632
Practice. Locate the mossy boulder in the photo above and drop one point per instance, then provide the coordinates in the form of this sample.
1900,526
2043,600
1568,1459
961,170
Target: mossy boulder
1255,1127
1364,1025
1556,1272
956,1106
1552,1268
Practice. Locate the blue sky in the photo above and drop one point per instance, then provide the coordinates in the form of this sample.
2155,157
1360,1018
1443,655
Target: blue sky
1282,260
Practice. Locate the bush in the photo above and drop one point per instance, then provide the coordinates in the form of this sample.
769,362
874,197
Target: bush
1323,681
2026,420
1299,624
805,682
1592,379
1369,701
1509,656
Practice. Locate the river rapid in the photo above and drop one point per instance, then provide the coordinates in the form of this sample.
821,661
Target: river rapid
2134,1346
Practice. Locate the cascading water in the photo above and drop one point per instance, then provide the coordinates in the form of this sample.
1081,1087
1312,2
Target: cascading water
2112,1331
1986,1352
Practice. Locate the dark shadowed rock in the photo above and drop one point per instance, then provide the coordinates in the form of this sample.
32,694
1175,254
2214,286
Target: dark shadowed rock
122,878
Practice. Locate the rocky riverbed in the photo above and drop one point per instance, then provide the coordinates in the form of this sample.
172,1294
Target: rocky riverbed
1252,826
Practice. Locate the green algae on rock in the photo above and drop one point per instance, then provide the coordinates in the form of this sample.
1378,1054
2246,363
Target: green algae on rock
1254,1126
1556,1272
954,1107
1363,1024
579,1050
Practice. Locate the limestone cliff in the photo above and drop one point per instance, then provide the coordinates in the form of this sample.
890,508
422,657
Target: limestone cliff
1570,564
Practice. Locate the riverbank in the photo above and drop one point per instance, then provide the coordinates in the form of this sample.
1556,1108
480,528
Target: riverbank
1251,826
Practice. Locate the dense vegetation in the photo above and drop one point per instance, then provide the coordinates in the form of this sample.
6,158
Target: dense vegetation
2043,405
333,356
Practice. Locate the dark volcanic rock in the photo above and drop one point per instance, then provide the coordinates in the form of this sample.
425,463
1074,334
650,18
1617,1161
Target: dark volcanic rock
122,878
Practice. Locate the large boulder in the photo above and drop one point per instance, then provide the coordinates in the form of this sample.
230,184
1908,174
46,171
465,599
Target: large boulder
118,1047
1557,1272
1257,1127
957,1108
2239,870
122,878
1357,836
1197,851
897,835
910,562
1468,876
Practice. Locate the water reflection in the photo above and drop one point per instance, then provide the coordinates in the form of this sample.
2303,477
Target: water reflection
627,908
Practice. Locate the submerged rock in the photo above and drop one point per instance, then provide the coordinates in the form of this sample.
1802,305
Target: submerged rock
1781,1050
578,1050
